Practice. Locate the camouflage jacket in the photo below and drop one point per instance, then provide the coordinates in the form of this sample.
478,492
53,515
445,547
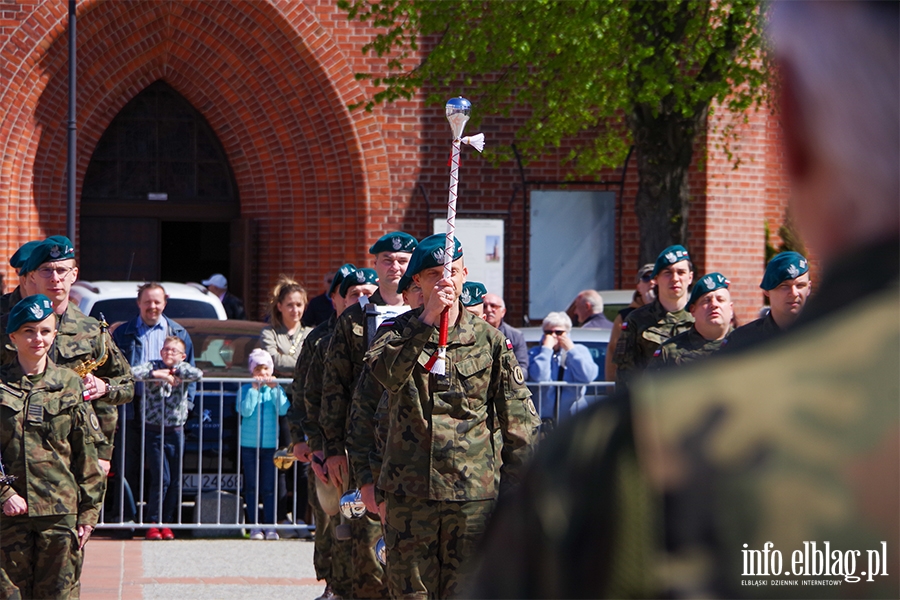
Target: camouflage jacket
361,433
343,364
79,339
752,333
466,442
312,395
684,348
673,491
47,441
299,423
645,329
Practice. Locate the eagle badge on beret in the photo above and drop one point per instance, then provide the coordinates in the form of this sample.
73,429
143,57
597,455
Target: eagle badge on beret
438,255
466,297
670,256
793,271
55,252
396,243
36,310
360,276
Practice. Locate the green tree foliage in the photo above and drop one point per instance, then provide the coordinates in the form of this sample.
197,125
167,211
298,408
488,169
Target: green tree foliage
612,72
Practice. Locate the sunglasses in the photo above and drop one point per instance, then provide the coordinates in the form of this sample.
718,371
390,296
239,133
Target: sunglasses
555,332
646,277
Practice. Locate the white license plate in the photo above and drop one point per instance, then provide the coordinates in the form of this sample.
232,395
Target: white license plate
191,481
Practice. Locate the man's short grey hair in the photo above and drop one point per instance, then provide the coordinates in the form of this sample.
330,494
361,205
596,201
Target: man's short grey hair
594,300
845,60
557,320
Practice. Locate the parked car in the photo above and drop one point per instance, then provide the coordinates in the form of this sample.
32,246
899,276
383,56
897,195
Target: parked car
117,300
221,349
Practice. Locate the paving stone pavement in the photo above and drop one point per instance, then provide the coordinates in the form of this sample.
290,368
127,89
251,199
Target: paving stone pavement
199,568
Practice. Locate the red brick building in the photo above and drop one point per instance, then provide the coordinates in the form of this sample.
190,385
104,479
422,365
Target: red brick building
215,136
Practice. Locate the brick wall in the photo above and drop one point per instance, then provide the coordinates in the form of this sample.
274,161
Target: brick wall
274,80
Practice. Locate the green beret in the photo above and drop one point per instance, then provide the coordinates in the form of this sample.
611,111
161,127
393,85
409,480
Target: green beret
429,253
783,266
57,247
339,275
396,241
20,258
358,277
473,293
29,310
670,256
708,283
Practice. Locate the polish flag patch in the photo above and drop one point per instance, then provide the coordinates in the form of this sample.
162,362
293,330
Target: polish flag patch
509,345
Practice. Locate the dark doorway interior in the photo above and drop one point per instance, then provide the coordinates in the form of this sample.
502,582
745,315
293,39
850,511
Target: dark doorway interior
159,196
193,251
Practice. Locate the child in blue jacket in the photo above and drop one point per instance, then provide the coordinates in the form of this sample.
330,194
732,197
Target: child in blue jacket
260,404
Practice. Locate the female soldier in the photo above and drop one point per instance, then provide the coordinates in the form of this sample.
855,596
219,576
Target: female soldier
47,437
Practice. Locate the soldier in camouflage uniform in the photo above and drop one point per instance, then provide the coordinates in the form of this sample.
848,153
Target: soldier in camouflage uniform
786,284
454,442
795,441
80,341
647,327
47,443
331,558
343,365
710,305
361,434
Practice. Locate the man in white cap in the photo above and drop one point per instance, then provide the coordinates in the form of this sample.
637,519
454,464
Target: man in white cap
218,285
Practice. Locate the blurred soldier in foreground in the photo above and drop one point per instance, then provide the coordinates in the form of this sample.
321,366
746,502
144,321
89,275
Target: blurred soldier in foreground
707,480
453,442
712,309
786,284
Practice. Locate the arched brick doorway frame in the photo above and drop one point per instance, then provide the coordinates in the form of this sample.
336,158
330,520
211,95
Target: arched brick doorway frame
272,83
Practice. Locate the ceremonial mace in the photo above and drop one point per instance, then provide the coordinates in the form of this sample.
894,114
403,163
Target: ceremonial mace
457,110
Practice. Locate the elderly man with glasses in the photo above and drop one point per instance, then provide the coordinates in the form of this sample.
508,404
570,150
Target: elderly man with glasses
558,358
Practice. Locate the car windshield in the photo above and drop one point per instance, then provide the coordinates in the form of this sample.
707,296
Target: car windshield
223,353
125,309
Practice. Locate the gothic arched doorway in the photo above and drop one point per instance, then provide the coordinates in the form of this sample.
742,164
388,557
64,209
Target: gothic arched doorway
159,200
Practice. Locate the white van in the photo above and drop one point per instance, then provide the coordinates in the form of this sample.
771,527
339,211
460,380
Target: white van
117,300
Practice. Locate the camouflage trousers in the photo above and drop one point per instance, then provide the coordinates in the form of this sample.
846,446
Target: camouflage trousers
430,544
331,557
40,556
368,574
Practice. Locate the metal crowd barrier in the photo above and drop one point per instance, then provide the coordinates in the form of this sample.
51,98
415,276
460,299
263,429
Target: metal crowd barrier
596,391
209,490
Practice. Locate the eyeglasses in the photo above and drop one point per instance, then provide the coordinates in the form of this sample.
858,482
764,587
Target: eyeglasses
556,332
169,350
61,272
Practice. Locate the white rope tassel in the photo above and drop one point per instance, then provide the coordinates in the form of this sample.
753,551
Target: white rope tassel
476,141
